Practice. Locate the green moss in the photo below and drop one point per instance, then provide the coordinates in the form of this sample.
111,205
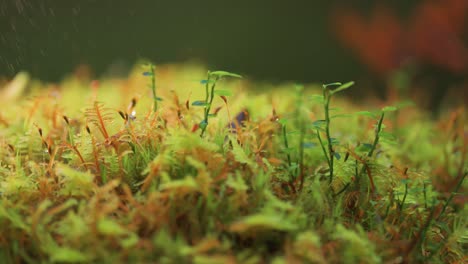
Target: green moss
114,173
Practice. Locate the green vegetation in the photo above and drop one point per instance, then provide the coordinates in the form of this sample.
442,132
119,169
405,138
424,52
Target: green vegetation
107,175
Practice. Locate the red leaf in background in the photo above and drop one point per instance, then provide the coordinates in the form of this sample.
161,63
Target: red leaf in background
435,34
377,41
432,35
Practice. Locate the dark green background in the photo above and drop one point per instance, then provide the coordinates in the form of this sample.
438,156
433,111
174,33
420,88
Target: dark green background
264,39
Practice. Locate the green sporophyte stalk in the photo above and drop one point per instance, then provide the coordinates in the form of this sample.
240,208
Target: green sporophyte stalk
210,92
151,73
327,95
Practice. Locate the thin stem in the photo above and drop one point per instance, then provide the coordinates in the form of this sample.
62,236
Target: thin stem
327,96
377,135
301,155
343,189
153,88
425,194
323,147
207,85
373,147
209,95
288,156
301,124
286,145
404,198
208,108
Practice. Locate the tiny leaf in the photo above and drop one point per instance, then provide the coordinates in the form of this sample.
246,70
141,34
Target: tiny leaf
319,124
207,81
342,87
387,135
389,109
294,132
366,113
225,73
203,124
340,115
331,84
223,92
147,74
199,103
404,104
308,145
366,147
337,155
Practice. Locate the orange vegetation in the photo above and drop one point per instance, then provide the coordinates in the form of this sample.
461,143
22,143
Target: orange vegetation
433,34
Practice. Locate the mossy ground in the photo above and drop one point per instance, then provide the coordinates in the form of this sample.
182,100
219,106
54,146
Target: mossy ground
92,174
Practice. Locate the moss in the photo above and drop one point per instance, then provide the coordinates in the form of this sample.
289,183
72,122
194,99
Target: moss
110,173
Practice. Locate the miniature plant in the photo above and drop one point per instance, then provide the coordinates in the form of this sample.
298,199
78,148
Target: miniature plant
329,152
370,149
296,168
210,92
151,73
287,150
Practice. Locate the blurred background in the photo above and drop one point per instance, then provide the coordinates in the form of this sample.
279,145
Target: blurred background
378,43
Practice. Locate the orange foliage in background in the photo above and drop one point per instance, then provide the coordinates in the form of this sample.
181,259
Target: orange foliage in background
433,34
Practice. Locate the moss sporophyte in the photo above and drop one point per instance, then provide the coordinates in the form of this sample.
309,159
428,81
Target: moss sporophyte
210,92
298,174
